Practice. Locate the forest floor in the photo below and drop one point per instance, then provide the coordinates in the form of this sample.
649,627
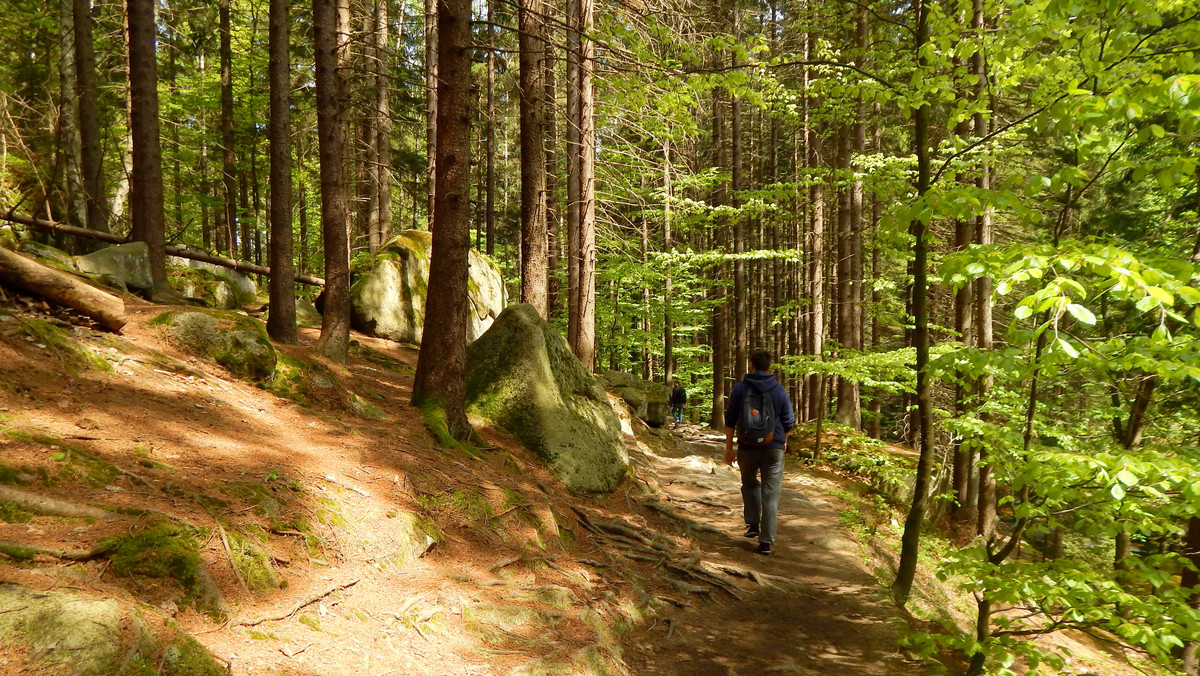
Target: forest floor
524,578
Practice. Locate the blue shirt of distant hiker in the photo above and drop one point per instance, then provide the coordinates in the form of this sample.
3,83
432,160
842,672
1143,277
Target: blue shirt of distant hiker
785,418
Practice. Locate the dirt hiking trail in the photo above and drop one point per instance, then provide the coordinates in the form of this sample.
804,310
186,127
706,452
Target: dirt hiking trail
305,514
830,619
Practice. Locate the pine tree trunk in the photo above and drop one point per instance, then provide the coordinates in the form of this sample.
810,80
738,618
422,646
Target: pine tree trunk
330,24
147,188
741,336
281,322
89,116
910,540
69,137
431,90
668,325
533,159
553,217
441,368
574,163
228,162
489,212
585,347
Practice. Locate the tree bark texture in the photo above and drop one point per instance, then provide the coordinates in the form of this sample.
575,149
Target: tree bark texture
89,116
281,322
330,22
534,285
228,161
441,368
147,188
431,89
910,541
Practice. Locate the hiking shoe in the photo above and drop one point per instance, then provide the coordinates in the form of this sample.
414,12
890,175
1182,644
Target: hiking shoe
764,548
751,530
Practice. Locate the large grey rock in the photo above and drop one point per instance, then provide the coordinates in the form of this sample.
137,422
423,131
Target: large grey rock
127,263
522,375
389,296
48,254
70,633
242,285
238,343
649,400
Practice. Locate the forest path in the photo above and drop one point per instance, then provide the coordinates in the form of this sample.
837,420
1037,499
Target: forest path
831,620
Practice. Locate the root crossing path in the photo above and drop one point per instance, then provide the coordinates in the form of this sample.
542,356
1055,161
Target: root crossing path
821,612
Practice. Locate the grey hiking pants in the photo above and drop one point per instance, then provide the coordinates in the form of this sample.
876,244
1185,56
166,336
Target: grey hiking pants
761,497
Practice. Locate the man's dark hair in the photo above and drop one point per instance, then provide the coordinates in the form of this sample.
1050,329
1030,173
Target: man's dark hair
760,359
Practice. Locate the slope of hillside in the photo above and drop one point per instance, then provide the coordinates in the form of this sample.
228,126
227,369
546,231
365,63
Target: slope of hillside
312,526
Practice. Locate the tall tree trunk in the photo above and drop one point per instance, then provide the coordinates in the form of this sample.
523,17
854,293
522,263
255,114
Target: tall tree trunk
553,217
89,116
720,333
228,162
985,512
574,180
584,294
668,324
431,91
147,188
441,367
489,212
69,137
331,23
380,222
281,322
533,159
910,541
741,335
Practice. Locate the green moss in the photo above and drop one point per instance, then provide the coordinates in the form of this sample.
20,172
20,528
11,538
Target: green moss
330,514
262,635
11,512
61,343
17,552
264,501
186,657
164,550
160,319
251,560
310,621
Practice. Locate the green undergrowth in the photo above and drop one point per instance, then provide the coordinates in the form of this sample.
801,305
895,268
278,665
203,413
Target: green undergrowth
888,473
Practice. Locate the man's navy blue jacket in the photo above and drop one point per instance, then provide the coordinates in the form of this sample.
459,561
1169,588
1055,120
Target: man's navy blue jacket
785,419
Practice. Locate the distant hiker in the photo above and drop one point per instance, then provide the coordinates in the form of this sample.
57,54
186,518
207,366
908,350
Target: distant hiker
678,401
761,412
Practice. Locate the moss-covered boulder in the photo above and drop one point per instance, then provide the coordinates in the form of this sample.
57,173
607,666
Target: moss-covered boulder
649,400
242,287
522,375
388,297
59,632
203,287
238,343
125,264
8,237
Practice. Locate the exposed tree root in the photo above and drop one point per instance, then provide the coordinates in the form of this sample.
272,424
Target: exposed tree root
40,504
311,598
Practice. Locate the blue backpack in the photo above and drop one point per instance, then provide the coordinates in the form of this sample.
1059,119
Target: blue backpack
756,424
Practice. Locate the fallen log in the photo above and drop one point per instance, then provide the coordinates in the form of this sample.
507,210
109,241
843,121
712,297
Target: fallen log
172,250
57,286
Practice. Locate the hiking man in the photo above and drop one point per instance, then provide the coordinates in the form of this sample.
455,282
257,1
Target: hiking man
678,400
761,412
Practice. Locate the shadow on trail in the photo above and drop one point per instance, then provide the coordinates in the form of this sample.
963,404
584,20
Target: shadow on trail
822,614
